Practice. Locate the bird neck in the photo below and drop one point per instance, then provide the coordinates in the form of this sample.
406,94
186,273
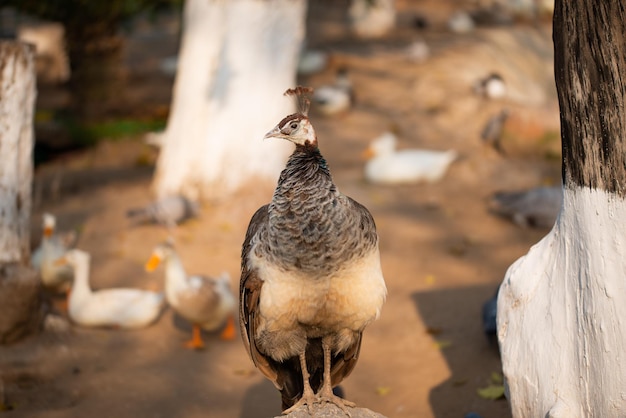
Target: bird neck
81,278
175,275
303,213
305,164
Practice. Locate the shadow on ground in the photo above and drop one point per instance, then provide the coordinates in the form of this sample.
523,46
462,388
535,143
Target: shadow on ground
444,312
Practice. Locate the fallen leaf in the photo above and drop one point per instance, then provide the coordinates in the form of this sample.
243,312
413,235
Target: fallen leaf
492,392
383,390
441,344
5,407
434,330
496,378
226,226
457,249
244,372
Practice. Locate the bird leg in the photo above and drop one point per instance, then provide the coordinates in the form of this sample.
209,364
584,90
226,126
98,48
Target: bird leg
196,342
308,396
325,393
228,333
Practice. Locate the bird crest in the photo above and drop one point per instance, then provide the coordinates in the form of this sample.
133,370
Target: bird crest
301,95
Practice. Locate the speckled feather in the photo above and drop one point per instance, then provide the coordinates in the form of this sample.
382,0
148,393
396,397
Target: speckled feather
311,225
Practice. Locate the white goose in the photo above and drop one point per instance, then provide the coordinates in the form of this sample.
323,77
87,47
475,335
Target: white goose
52,247
386,165
117,307
206,302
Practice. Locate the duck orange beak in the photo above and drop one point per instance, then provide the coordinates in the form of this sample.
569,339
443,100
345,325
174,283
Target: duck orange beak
47,232
61,261
368,154
153,263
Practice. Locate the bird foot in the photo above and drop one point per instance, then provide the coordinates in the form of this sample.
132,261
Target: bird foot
229,332
322,398
194,345
196,342
308,398
329,397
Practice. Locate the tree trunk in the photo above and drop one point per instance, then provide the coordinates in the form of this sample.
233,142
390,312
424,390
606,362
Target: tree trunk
97,82
236,59
562,307
19,284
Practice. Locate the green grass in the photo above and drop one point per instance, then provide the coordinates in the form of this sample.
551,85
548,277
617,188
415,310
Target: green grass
87,134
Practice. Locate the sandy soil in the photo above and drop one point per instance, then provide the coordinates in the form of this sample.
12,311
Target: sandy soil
443,253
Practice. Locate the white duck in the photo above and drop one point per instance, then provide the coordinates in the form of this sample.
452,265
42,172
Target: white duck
386,165
52,247
336,98
206,302
117,307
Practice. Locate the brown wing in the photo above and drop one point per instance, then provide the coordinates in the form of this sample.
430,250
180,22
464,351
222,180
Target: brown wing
250,293
366,222
342,364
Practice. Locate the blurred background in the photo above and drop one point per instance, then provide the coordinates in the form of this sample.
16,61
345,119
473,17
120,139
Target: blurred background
137,101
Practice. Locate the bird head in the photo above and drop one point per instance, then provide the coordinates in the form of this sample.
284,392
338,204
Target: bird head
296,128
160,253
49,223
73,257
383,145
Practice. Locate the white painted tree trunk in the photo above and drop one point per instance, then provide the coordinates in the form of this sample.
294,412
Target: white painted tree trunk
562,307
17,103
20,312
237,58
562,314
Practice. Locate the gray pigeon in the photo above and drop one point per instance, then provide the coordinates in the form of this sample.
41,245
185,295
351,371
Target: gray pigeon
168,211
311,278
538,207
492,131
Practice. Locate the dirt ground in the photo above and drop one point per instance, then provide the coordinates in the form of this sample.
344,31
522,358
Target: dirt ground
443,253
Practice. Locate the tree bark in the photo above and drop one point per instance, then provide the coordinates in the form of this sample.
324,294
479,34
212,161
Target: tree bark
237,58
562,307
590,66
19,285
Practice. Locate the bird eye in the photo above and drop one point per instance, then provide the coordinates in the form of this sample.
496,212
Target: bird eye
294,125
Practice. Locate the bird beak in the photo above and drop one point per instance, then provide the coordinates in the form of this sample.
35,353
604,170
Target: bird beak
274,133
152,263
47,232
60,261
368,154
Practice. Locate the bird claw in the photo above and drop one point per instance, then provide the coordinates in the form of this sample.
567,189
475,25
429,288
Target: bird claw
336,400
309,401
